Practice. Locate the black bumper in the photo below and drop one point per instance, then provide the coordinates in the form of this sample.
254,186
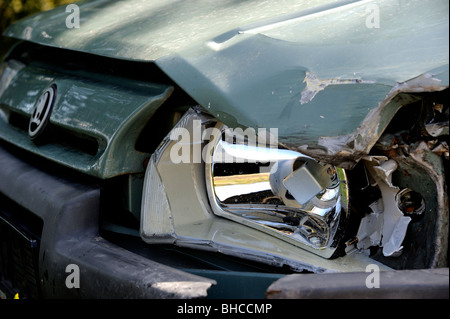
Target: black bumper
69,212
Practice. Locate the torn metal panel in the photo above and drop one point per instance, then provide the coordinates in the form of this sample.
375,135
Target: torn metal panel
420,178
346,150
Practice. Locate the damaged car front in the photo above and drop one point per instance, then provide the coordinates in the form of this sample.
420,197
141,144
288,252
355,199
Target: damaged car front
218,144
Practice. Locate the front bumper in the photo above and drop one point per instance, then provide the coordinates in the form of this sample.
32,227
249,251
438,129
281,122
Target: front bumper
70,215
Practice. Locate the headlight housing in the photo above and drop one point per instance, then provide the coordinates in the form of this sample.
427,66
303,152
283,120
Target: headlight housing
295,223
277,191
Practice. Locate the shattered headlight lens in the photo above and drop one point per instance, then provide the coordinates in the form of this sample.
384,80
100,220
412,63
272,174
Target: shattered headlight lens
278,191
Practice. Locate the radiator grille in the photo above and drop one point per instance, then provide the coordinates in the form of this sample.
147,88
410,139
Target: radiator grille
19,251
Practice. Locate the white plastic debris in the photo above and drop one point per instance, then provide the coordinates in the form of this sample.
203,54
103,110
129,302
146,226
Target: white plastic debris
386,222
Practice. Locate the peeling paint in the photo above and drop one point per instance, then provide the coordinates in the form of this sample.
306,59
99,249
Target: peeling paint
314,85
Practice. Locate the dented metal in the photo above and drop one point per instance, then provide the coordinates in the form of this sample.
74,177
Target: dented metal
348,149
318,71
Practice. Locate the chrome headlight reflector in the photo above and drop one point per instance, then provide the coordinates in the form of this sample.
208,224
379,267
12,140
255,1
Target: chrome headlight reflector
277,191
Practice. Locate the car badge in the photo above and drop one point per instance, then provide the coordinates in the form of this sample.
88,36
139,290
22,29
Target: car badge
41,113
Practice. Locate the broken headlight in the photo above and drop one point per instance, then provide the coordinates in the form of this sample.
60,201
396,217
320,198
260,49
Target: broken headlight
277,191
210,188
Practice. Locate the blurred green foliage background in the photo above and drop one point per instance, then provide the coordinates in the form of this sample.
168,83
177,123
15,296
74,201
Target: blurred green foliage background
13,10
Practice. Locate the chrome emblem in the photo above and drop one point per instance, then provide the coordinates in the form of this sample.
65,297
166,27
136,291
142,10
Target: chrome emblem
41,113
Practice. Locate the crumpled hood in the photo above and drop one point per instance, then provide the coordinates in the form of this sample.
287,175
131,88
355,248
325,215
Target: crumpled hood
329,75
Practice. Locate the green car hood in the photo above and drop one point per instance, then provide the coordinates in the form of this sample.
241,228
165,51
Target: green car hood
328,75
